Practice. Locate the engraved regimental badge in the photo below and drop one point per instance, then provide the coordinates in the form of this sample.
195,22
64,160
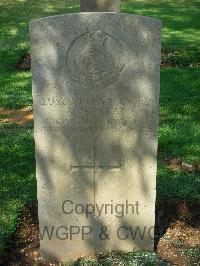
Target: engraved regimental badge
95,58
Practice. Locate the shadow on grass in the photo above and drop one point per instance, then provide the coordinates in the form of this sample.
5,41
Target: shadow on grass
179,114
14,20
180,29
18,186
179,133
180,19
180,22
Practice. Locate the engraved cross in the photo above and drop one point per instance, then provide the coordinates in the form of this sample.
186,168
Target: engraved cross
94,166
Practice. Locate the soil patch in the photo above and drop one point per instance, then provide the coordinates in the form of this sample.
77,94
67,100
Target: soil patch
177,164
25,62
180,58
20,117
177,234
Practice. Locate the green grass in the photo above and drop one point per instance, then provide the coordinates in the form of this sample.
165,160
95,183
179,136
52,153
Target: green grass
15,89
17,166
180,19
179,132
180,31
192,254
15,15
134,258
179,129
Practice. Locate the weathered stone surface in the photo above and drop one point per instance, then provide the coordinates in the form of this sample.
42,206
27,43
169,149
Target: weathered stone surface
100,5
96,101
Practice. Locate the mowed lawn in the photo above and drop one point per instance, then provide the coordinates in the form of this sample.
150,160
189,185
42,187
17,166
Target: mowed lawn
179,129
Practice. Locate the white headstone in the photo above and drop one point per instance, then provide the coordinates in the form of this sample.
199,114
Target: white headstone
96,79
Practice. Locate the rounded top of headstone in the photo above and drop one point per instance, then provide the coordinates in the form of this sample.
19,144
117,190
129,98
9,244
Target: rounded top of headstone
100,5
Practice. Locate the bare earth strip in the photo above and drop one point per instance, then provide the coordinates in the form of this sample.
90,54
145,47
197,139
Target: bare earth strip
21,116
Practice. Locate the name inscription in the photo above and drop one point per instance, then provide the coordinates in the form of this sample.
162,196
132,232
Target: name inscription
94,115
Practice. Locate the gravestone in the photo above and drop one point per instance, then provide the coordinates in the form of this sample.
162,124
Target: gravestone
100,5
96,103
